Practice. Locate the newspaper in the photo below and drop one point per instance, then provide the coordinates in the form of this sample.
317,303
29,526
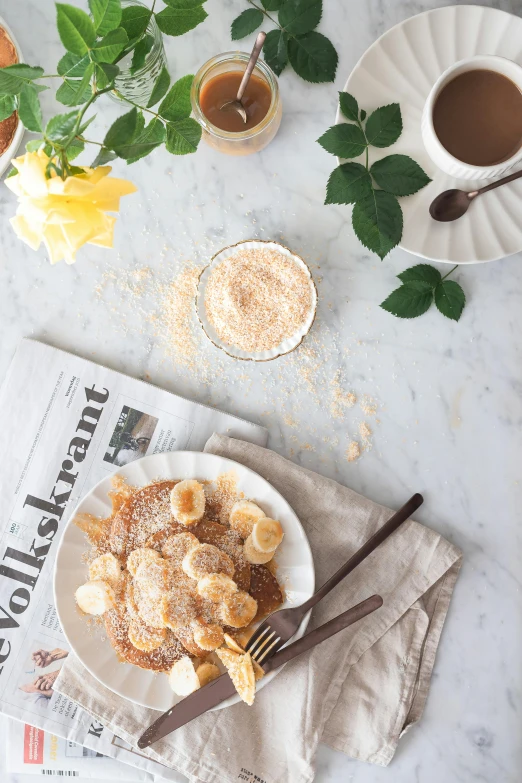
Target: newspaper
67,423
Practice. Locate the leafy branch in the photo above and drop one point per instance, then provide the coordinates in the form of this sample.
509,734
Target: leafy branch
421,286
295,39
94,44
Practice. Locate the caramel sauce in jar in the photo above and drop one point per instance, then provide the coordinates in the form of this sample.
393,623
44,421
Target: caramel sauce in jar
217,82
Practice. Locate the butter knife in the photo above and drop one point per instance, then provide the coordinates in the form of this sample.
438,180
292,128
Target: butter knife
222,688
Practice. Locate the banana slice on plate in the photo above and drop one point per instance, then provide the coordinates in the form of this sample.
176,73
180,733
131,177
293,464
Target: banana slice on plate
207,635
207,672
187,502
177,546
253,555
106,567
244,515
233,645
95,597
183,678
145,638
207,559
216,587
267,534
239,610
241,673
139,556
179,609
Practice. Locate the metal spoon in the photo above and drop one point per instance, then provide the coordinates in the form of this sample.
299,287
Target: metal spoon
452,204
236,105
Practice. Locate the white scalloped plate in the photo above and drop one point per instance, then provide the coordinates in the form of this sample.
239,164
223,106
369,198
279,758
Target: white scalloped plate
288,344
294,563
401,67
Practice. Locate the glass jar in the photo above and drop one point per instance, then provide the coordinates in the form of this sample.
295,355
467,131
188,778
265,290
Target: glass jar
244,142
138,86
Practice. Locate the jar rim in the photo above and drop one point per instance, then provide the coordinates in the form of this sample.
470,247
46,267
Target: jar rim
262,68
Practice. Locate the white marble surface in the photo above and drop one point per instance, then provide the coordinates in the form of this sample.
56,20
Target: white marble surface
449,414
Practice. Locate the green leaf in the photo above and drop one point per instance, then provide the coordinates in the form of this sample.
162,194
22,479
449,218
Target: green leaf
347,184
134,20
61,126
421,274
106,50
377,222
35,144
177,21
399,174
450,299
106,15
151,137
75,91
7,106
12,172
122,130
176,103
384,125
349,106
104,156
74,149
73,65
183,136
29,109
246,23
13,77
106,74
160,87
140,53
313,57
300,16
75,28
275,51
184,3
406,302
272,5
344,140
363,115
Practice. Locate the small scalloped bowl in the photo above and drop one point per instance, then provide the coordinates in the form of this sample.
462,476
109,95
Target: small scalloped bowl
10,152
286,346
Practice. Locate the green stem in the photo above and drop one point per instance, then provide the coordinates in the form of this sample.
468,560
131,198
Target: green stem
49,76
266,14
141,108
88,141
359,123
450,272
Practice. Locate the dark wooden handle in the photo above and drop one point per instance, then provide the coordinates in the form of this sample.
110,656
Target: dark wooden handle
323,632
381,535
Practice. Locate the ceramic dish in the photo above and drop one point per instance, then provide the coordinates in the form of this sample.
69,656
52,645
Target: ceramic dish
287,345
402,66
6,157
295,569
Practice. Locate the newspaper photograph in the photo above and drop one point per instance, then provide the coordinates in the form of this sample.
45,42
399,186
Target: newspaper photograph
68,423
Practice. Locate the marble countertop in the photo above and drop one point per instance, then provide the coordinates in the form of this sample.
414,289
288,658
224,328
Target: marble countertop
448,421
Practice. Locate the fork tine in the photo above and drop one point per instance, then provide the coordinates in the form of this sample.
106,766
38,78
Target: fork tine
272,649
263,628
262,642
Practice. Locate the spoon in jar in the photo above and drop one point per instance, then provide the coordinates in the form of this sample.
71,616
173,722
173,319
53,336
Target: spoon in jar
452,204
237,105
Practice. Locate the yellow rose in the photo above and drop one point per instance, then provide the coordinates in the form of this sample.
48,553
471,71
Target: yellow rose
64,214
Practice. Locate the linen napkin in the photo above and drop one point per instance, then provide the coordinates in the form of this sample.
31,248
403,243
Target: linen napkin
358,691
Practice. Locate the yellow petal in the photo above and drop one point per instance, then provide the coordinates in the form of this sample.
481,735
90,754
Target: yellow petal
74,187
57,246
106,238
30,234
13,183
32,175
95,175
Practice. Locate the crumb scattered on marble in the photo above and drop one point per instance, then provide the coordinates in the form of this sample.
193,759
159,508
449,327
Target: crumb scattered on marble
353,451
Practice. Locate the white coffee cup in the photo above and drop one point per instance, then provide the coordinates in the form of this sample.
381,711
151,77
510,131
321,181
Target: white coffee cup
439,154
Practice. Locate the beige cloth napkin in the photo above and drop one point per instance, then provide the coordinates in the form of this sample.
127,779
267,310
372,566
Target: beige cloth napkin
357,692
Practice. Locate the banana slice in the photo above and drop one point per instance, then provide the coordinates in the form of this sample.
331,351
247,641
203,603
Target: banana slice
139,556
232,644
253,555
187,502
183,678
267,534
145,638
239,610
95,597
106,567
154,575
243,516
241,673
207,636
216,587
207,559
259,672
176,547
206,673
179,609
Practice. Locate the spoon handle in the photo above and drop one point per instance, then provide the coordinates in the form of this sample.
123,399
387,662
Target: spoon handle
256,51
497,184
